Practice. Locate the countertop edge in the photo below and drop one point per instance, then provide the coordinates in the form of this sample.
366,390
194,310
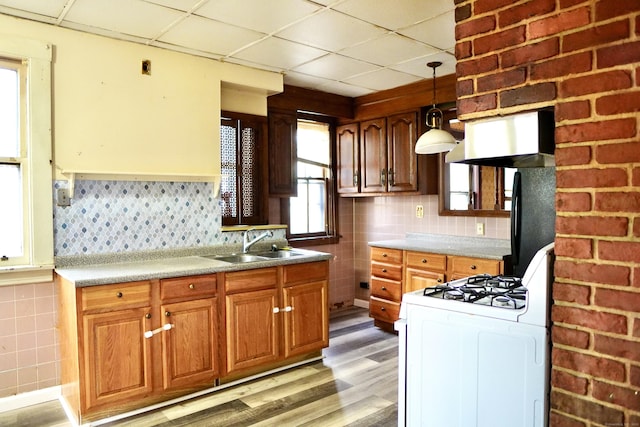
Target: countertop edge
487,248
123,272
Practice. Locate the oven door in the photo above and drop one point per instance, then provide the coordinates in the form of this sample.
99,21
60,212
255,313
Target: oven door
466,370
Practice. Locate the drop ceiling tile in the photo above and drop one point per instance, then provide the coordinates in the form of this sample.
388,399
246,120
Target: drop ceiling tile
123,16
382,79
335,67
279,53
344,89
51,8
396,49
438,32
183,5
418,66
395,14
304,80
210,36
258,15
331,30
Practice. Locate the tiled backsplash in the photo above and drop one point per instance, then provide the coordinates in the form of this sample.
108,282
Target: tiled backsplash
127,216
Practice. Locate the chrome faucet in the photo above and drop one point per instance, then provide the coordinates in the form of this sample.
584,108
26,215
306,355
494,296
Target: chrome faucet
246,244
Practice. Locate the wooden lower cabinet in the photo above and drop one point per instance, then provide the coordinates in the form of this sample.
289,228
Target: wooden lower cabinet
424,270
126,346
252,329
395,272
288,317
190,347
306,325
117,353
117,357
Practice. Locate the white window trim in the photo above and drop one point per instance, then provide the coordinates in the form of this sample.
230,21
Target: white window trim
39,215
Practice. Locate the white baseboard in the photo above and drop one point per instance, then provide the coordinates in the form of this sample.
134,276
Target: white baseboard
29,398
361,303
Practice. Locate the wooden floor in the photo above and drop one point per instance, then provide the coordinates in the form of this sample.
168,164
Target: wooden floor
354,385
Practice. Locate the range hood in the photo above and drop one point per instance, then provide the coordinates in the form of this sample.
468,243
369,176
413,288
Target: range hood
516,141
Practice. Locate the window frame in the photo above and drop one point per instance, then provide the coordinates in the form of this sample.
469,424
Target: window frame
331,234
260,197
36,150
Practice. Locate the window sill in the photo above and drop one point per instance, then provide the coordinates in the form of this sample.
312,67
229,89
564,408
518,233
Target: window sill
313,241
21,275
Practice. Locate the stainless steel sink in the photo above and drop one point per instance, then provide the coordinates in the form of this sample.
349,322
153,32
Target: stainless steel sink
236,258
279,254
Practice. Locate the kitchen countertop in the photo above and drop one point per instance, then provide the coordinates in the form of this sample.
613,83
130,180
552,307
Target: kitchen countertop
119,268
477,247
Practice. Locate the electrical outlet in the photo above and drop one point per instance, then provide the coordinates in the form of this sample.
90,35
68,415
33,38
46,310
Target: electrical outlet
364,285
419,211
63,197
480,228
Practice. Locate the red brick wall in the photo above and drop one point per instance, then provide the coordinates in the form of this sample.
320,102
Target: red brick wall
583,58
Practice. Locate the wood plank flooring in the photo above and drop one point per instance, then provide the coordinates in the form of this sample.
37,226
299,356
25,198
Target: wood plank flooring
354,385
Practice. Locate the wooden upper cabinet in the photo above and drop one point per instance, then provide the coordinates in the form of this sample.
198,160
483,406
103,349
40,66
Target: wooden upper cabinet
348,158
402,133
380,157
373,153
283,179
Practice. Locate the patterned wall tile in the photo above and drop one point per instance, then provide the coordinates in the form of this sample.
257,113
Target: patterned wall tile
125,216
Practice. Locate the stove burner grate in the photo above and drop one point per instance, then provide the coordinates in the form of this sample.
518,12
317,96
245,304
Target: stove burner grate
495,291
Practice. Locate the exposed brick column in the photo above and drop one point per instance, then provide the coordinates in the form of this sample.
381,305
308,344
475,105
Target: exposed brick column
583,58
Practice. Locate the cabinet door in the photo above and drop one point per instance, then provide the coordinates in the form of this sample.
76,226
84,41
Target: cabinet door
117,356
373,156
306,325
189,348
283,177
252,329
402,173
420,279
348,158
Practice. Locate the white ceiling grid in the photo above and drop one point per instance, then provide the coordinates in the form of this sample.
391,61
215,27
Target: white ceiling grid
348,47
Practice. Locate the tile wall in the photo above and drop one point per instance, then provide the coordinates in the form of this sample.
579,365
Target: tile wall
29,353
388,218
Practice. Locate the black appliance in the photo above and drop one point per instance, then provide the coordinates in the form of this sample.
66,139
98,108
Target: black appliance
533,214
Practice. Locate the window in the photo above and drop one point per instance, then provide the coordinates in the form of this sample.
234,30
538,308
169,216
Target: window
242,152
26,224
478,188
311,216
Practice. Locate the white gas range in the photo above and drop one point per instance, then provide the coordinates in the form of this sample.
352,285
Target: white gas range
475,352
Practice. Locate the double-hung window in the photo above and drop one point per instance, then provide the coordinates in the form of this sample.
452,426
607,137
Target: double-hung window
26,224
311,215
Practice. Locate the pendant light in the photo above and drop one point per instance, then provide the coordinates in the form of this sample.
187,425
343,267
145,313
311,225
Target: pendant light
435,140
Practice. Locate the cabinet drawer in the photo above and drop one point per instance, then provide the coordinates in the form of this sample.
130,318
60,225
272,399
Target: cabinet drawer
387,289
434,262
392,256
193,286
384,310
386,271
465,266
249,280
307,272
116,297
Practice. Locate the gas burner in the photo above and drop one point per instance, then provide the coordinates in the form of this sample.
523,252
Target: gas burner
484,289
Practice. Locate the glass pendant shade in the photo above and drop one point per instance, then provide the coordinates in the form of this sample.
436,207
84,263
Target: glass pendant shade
435,140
